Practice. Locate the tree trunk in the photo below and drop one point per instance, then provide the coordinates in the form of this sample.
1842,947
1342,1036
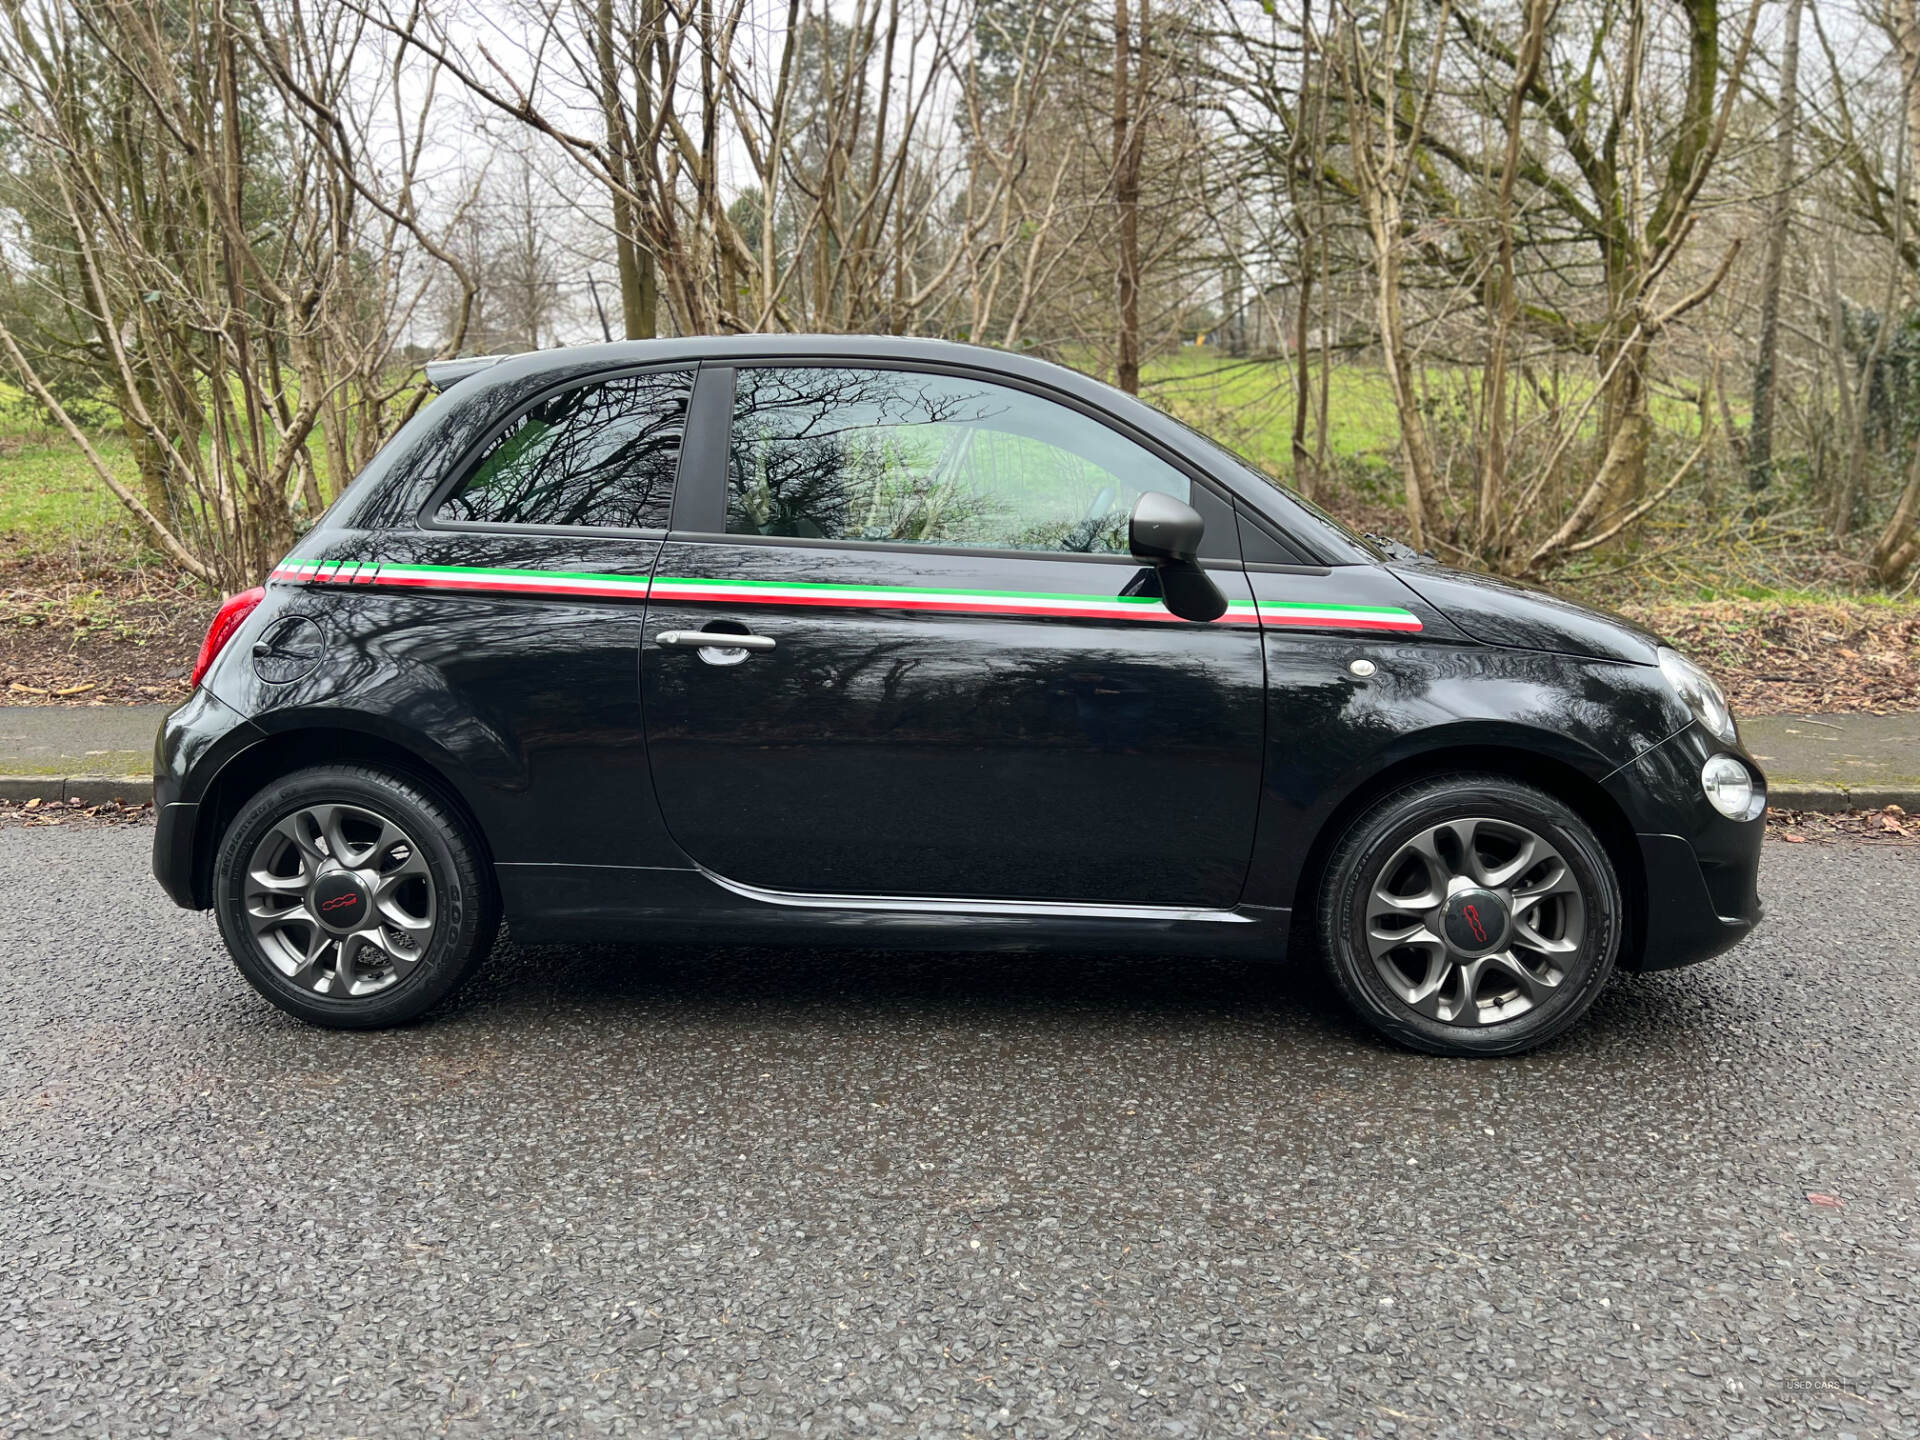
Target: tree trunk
1779,222
1897,546
1626,423
1503,299
1306,477
1127,135
636,321
1421,485
1306,141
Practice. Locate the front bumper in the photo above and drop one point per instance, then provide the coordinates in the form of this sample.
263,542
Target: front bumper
1699,869
1685,920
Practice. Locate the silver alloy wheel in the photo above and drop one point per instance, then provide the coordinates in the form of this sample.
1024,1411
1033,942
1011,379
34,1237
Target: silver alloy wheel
340,900
1475,921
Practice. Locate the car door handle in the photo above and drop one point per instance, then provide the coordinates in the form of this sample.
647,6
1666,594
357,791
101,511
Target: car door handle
712,640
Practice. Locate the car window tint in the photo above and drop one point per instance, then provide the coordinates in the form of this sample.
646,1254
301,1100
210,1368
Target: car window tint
907,457
601,454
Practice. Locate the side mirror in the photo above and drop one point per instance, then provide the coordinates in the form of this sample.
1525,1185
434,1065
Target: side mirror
1164,529
1165,533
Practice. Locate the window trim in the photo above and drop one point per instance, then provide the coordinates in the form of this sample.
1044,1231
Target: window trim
711,480
975,552
460,472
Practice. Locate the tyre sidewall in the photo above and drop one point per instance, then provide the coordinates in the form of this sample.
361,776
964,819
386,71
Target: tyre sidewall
458,909
1379,833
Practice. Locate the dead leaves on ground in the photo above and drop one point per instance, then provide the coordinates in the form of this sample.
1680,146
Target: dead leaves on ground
38,814
1891,826
1804,657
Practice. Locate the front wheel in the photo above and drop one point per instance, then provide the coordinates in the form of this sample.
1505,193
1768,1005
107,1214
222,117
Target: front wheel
1470,915
352,897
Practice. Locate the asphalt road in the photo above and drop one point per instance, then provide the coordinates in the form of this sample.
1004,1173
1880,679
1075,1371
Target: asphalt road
617,1192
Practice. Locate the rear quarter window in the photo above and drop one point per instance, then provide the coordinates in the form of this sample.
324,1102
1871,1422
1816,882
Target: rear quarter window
600,455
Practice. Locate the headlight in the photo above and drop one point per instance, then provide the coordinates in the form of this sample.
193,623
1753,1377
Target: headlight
1703,697
1729,787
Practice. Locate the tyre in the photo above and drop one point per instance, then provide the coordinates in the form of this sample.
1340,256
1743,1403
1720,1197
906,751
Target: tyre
353,897
1470,915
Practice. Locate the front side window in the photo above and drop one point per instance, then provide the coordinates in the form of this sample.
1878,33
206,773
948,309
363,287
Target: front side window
904,457
600,455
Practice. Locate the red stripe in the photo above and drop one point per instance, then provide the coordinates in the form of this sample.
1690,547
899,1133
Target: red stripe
1315,622
956,606
509,587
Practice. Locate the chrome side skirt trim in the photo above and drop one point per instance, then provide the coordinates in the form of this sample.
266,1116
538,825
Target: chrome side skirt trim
1013,909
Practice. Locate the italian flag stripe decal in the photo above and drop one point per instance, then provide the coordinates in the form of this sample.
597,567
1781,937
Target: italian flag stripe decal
449,579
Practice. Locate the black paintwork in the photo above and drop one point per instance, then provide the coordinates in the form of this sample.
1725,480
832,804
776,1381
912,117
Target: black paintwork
1054,768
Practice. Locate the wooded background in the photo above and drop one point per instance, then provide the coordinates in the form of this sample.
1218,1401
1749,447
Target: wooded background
1549,287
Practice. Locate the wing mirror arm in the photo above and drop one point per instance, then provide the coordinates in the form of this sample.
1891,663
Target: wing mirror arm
1164,533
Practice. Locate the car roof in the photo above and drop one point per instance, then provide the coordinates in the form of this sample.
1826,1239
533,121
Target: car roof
723,348
482,384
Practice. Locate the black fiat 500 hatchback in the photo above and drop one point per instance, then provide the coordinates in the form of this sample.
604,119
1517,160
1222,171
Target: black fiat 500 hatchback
905,643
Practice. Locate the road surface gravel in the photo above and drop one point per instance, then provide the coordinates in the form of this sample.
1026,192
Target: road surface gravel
612,1191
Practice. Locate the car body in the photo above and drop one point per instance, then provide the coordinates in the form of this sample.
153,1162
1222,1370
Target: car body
974,723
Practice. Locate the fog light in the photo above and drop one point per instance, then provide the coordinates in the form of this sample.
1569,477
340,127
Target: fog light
1729,786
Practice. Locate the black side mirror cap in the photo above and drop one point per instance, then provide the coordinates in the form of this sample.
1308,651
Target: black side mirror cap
1164,530
1166,534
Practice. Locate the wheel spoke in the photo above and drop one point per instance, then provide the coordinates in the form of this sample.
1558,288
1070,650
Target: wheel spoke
301,830
1496,877
1532,939
1436,994
367,963
400,961
349,977
267,883
393,913
1534,987
408,879
1413,906
270,912
1556,879
1383,940
1431,850
413,863
304,964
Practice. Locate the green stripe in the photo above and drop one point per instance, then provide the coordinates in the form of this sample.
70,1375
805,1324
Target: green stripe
829,588
1008,594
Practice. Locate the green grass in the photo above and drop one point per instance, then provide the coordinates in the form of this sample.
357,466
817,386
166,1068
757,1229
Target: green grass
49,496
1249,404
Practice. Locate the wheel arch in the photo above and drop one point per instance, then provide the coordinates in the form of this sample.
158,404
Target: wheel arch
283,752
1562,779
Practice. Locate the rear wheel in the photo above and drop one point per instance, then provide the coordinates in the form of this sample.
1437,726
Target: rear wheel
352,897
1470,915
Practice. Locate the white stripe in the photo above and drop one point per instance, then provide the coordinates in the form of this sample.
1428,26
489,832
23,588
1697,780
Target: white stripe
1274,612
530,579
668,589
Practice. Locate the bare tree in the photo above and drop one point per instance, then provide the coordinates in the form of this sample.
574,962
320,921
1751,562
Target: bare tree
1779,225
1389,122
248,300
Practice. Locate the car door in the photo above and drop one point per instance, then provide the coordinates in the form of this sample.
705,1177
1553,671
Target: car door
511,616
964,685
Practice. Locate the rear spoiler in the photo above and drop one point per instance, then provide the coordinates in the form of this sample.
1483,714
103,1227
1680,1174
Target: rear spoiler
444,374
